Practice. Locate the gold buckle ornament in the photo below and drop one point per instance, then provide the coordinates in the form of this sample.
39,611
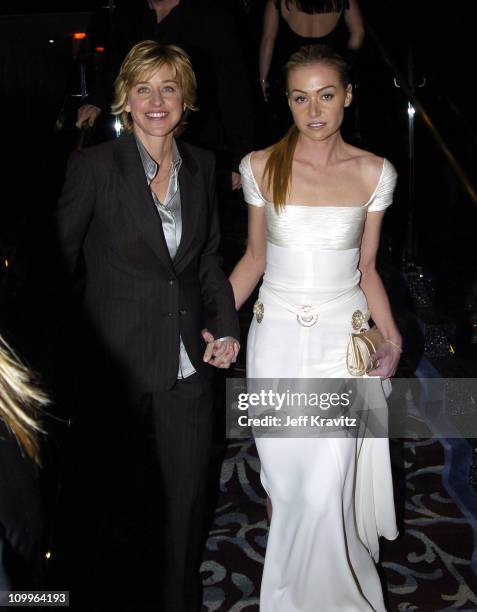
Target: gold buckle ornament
306,319
258,311
359,319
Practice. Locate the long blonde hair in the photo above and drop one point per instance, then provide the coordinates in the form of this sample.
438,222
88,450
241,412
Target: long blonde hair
278,169
20,401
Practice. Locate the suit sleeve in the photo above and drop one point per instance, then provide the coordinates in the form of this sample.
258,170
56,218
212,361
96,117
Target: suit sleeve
75,209
217,295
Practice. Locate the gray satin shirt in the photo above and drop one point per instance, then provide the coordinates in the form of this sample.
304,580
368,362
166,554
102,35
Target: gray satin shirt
171,217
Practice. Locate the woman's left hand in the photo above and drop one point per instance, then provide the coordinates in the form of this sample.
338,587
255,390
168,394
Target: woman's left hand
386,360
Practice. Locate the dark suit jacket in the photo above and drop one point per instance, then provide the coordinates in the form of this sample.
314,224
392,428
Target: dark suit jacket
136,298
204,29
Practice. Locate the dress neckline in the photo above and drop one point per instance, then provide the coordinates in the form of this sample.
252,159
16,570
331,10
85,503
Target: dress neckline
319,205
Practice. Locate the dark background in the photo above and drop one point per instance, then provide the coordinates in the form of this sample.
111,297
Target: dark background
37,78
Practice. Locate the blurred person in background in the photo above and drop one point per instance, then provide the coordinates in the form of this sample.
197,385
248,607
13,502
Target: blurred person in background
21,524
289,24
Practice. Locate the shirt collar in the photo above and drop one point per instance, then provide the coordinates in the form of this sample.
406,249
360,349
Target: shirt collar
150,166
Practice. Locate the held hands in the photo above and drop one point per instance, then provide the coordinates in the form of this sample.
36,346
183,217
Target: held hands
386,360
220,353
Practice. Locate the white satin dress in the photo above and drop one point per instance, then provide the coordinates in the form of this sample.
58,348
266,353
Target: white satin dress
332,497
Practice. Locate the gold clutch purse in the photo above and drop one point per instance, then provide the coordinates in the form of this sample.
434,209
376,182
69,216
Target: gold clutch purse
360,348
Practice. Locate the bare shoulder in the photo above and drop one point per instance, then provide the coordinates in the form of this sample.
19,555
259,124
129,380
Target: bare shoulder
258,161
371,167
368,165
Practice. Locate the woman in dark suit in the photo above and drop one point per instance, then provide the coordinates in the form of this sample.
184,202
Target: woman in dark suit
140,216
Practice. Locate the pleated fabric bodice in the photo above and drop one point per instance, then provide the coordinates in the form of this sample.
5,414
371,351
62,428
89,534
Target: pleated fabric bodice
316,248
318,227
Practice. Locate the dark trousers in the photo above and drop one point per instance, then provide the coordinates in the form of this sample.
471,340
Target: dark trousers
179,439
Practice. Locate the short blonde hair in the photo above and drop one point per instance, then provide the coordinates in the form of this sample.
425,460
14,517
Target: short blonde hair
143,60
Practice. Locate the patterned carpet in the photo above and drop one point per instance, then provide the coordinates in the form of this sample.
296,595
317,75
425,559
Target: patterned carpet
426,569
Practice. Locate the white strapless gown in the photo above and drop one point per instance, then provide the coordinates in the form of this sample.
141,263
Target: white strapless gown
332,497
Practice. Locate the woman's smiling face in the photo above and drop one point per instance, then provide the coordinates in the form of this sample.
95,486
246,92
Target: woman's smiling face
156,104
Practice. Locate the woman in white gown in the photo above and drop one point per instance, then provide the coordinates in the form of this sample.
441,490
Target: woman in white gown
316,206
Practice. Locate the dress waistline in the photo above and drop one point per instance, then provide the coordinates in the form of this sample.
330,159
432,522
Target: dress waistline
307,314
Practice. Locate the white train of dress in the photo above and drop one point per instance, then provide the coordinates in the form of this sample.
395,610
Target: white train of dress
332,497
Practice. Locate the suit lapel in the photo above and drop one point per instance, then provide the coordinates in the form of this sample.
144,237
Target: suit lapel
190,200
136,195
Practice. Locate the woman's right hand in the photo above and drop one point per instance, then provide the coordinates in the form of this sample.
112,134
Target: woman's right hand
87,114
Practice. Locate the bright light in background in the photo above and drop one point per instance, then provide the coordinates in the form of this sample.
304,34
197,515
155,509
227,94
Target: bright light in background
51,41
79,35
6,263
117,127
411,111
99,49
